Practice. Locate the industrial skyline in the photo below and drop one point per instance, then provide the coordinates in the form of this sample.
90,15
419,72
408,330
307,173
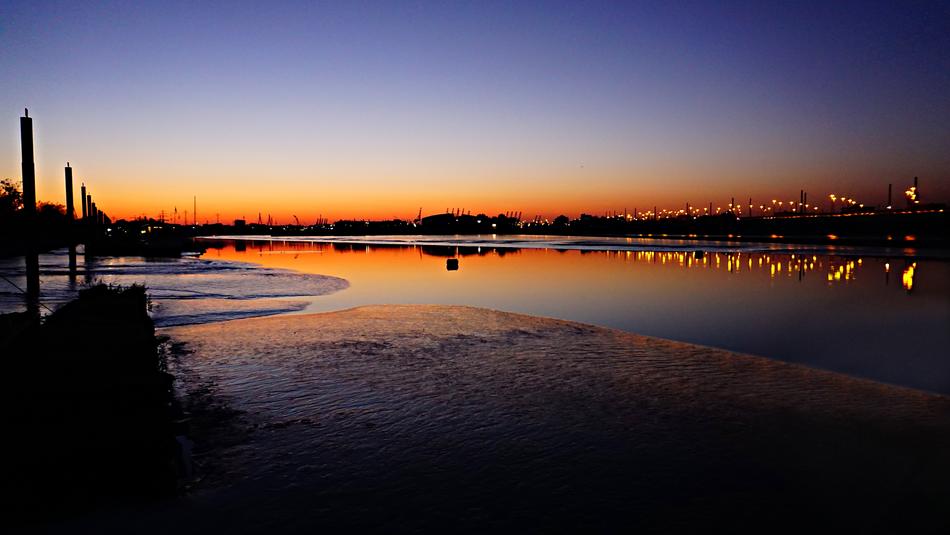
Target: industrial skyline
836,202
373,110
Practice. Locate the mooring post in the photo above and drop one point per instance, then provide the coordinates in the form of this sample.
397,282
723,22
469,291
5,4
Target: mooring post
70,211
29,214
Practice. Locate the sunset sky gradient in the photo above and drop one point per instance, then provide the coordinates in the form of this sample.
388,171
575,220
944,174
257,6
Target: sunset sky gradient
366,109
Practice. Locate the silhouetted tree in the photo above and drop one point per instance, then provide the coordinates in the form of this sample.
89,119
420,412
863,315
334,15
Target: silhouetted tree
49,228
51,212
11,199
561,221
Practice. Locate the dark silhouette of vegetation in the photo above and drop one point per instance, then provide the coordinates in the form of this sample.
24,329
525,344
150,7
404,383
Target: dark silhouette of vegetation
87,404
11,199
49,230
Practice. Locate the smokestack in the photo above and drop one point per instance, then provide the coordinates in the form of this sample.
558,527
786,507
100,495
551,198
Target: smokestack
916,192
70,210
889,189
89,205
82,200
29,171
750,206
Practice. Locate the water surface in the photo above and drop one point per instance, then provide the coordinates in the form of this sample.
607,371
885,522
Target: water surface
182,290
873,313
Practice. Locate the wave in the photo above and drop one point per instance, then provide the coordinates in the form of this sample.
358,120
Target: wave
204,290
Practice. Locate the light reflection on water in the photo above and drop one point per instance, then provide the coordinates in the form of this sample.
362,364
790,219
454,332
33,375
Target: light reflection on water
882,318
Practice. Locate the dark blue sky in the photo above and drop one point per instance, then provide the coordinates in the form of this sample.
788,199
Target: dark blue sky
544,107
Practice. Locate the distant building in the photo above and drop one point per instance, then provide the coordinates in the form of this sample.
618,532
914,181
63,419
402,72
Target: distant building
239,223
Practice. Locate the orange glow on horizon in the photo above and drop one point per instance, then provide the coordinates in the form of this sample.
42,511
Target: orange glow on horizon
373,192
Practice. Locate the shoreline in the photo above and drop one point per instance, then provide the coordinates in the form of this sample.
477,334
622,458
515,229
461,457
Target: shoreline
168,330
91,406
381,392
172,309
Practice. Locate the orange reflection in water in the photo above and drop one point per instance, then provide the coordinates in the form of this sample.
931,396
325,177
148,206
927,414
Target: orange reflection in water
907,278
834,312
419,265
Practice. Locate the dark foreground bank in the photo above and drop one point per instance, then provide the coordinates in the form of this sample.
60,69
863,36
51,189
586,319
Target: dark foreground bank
446,419
87,408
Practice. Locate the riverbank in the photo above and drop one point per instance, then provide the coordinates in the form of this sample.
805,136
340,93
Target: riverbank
398,418
88,408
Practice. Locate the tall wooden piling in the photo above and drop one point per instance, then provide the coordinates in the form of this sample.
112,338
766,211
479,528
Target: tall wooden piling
29,171
70,210
29,210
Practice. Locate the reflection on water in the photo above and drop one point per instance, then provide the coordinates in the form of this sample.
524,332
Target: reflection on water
842,313
907,278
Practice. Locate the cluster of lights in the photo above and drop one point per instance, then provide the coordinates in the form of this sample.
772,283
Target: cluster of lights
845,201
911,195
777,206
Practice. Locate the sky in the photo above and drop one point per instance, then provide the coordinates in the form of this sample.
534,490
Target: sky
377,109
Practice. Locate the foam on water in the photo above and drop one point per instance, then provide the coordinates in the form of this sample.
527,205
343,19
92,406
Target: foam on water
183,290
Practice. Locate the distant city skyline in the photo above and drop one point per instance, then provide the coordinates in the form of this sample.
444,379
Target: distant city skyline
373,110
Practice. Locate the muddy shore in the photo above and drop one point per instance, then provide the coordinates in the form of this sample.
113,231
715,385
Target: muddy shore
402,418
